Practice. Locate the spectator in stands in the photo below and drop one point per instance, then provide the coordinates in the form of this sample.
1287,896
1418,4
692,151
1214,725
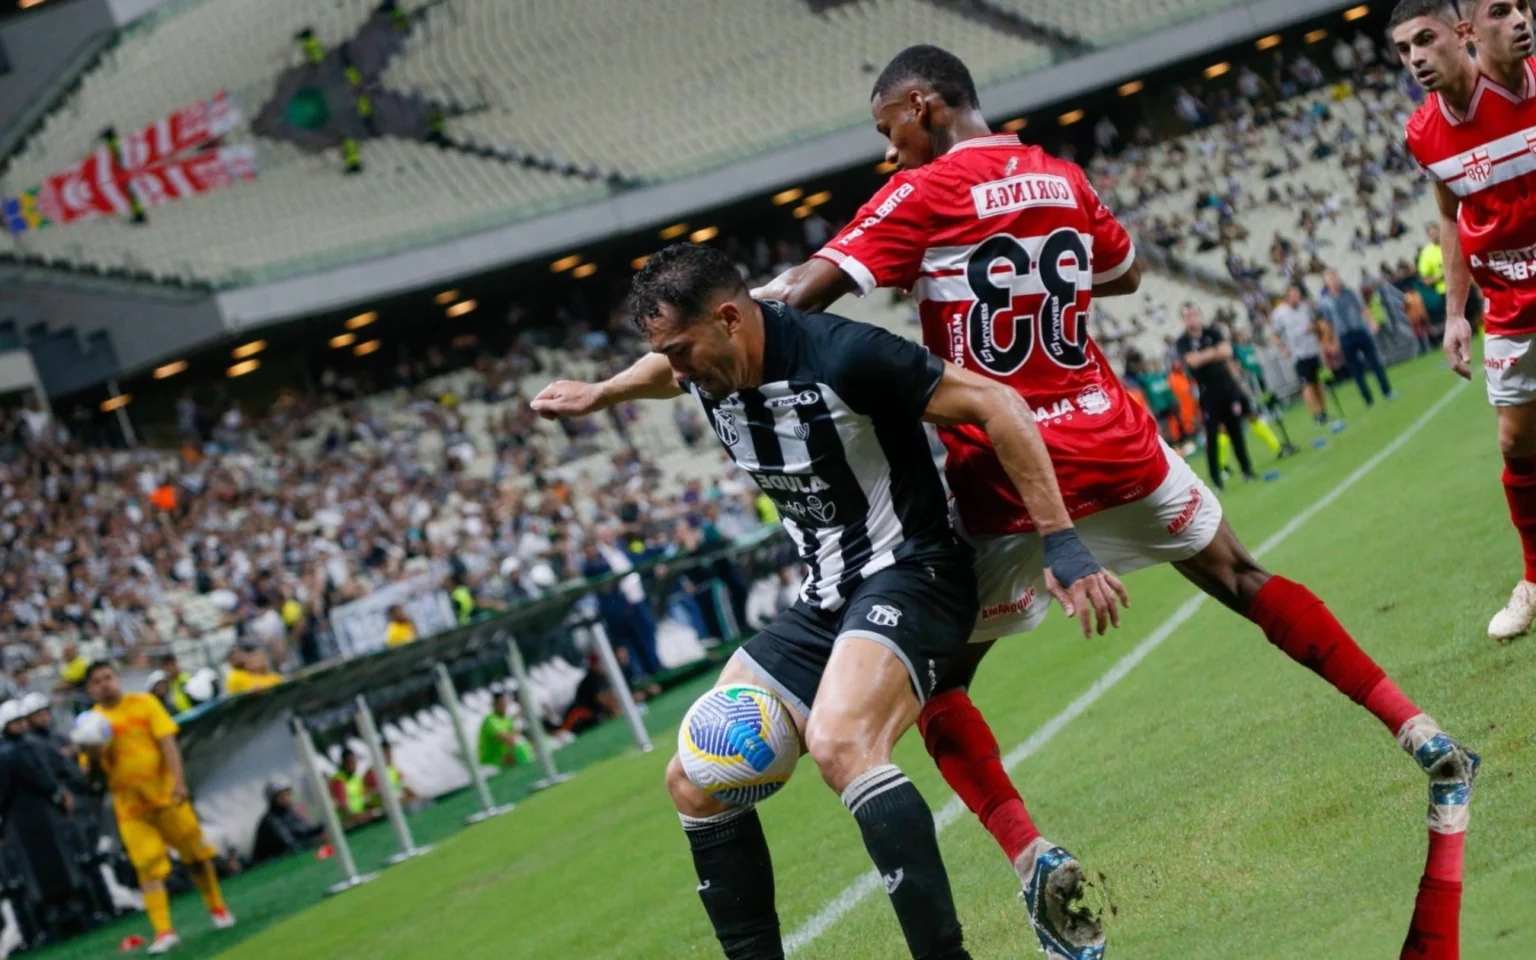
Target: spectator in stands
400,629
1189,109
250,671
625,609
33,809
1343,308
595,700
1344,57
283,828
72,666
500,745
350,794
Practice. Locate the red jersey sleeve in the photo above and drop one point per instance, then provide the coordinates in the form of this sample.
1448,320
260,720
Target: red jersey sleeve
883,245
1113,251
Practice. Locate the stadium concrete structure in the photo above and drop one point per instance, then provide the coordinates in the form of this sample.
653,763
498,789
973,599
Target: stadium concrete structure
517,80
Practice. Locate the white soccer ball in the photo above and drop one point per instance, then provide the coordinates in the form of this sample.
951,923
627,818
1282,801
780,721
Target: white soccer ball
738,744
91,729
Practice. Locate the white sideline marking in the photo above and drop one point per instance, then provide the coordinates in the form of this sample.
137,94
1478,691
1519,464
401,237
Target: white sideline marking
856,892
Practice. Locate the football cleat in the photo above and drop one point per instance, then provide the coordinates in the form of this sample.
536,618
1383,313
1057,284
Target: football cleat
1452,771
1517,615
1053,892
164,943
222,918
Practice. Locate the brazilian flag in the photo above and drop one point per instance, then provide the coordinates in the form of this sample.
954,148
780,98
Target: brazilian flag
20,214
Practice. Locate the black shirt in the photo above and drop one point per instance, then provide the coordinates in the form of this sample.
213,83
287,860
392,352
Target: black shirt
1215,377
834,436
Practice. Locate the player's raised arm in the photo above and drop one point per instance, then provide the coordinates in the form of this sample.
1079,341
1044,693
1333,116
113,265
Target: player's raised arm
1458,283
813,286
649,378
1084,588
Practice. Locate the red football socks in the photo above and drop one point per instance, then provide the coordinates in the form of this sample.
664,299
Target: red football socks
961,743
1297,622
1435,933
1520,491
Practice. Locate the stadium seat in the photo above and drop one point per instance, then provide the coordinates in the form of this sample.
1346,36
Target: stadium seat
1104,22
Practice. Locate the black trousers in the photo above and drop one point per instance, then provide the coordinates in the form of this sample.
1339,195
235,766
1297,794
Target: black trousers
1225,409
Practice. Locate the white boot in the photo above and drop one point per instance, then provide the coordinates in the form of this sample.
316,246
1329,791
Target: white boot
1515,619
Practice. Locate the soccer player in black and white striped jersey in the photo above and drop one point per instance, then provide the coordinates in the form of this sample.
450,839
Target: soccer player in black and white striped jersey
827,415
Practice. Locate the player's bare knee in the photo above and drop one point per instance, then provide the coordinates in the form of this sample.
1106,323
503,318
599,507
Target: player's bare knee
842,750
689,800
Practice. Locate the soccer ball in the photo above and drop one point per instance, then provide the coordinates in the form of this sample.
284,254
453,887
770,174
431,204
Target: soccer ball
91,729
738,744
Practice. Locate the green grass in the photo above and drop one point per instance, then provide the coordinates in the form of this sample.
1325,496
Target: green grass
1236,806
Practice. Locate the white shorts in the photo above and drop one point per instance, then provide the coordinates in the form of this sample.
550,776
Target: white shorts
1510,366
1174,522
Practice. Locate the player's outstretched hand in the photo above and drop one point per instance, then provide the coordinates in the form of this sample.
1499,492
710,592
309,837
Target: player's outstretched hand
1095,600
1458,346
566,398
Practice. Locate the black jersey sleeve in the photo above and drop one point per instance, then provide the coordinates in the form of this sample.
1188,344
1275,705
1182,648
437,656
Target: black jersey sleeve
877,373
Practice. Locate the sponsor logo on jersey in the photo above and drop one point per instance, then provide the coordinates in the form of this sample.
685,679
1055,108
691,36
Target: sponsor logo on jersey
1187,515
1499,364
1477,166
1013,164
893,880
1510,264
1094,401
1022,192
1060,410
1011,609
725,426
802,399
882,615
881,212
790,483
803,431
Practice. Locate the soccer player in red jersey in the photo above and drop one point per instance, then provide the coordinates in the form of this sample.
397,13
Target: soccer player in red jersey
1475,135
1004,248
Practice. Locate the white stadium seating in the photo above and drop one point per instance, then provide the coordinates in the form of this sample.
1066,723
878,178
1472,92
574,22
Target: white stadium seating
1103,22
577,83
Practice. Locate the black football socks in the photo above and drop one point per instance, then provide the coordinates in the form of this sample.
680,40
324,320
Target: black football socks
735,871
902,841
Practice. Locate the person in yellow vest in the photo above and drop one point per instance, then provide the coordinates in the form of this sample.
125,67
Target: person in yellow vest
143,771
400,629
349,792
72,667
371,782
176,679
250,671
1432,260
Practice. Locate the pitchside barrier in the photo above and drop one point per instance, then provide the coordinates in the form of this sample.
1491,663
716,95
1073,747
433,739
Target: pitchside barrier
427,699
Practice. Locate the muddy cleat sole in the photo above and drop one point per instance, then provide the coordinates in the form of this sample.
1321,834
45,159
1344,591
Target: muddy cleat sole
1053,894
1452,770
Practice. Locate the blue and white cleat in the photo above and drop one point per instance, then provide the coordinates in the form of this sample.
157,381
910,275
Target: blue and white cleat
1053,893
1452,771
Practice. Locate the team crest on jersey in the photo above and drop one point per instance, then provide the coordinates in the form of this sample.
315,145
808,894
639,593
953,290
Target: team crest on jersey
882,615
1094,401
1477,166
725,426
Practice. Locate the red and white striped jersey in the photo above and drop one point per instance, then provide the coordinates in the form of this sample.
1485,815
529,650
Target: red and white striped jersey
1488,159
1001,244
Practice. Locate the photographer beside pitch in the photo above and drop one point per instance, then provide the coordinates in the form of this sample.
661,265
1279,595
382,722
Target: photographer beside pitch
827,415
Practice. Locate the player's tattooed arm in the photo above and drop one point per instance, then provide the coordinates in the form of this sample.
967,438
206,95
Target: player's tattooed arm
813,286
649,378
1084,589
1458,283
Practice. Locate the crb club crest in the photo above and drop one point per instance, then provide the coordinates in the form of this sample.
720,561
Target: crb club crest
725,426
1477,166
1094,401
1530,142
882,615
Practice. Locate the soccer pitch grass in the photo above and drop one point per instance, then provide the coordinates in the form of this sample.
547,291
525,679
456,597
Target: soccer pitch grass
1236,806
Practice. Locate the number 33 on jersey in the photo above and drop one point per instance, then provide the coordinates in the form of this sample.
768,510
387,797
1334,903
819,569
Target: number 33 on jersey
1001,245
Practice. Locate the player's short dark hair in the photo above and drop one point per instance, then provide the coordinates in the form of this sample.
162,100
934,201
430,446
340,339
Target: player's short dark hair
689,277
95,667
1413,9
946,73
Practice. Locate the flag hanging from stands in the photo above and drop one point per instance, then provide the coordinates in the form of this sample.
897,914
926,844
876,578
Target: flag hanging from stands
152,165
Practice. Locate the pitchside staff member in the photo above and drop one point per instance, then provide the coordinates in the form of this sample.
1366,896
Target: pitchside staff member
827,415
1223,403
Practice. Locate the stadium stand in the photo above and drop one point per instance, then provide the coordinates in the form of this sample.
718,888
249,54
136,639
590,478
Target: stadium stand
1104,22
